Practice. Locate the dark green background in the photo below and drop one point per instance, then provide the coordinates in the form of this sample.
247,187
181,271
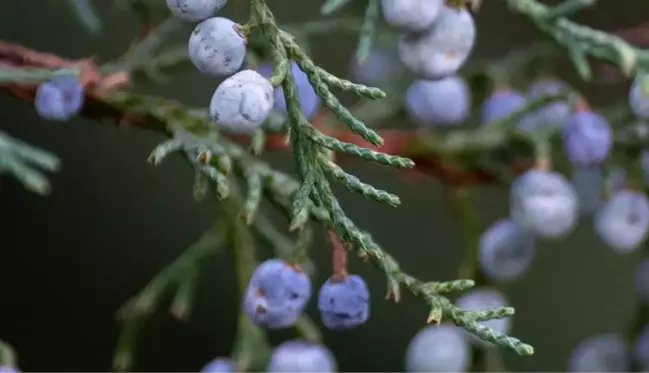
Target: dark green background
69,260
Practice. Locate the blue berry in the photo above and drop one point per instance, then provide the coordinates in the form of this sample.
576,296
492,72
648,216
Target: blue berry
589,183
622,222
309,100
216,47
639,96
480,299
554,114
543,202
411,15
242,102
8,369
506,251
438,102
299,356
220,365
642,283
443,49
500,105
276,295
603,353
377,70
59,98
438,348
344,303
194,10
587,138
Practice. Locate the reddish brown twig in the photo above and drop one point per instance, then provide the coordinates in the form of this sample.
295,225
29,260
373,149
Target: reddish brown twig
339,257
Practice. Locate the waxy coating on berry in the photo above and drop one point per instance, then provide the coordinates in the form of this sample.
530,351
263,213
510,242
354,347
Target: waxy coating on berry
603,353
438,348
441,102
300,356
60,98
480,299
344,302
220,365
442,50
622,222
505,251
276,295
242,102
589,183
587,138
377,70
554,114
411,15
194,10
216,47
309,100
544,203
639,96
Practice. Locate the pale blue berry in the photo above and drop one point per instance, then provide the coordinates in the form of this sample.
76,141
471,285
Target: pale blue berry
380,67
299,356
60,98
505,251
622,222
642,283
309,100
639,96
501,104
194,10
216,47
276,295
480,299
443,49
543,202
219,365
442,102
344,302
411,15
603,353
8,369
587,138
589,183
438,348
555,114
242,102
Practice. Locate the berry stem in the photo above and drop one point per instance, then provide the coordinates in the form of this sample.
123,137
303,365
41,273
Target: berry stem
339,257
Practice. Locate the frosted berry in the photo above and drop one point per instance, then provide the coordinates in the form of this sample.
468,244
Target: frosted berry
506,251
438,348
276,295
443,49
242,102
639,96
554,114
216,47
220,365
543,202
642,283
501,104
309,100
299,356
482,299
438,102
587,138
344,302
603,353
194,10
622,222
411,15
377,70
59,98
589,183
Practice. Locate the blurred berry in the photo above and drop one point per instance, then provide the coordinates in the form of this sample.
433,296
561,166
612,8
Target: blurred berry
194,10
276,295
543,202
438,102
500,105
589,183
380,67
554,114
438,348
603,353
587,138
59,98
411,15
220,365
506,251
216,47
344,303
309,100
639,96
479,299
622,221
642,283
443,49
8,369
299,356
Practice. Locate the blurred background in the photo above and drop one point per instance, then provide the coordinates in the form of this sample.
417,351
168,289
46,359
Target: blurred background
71,259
